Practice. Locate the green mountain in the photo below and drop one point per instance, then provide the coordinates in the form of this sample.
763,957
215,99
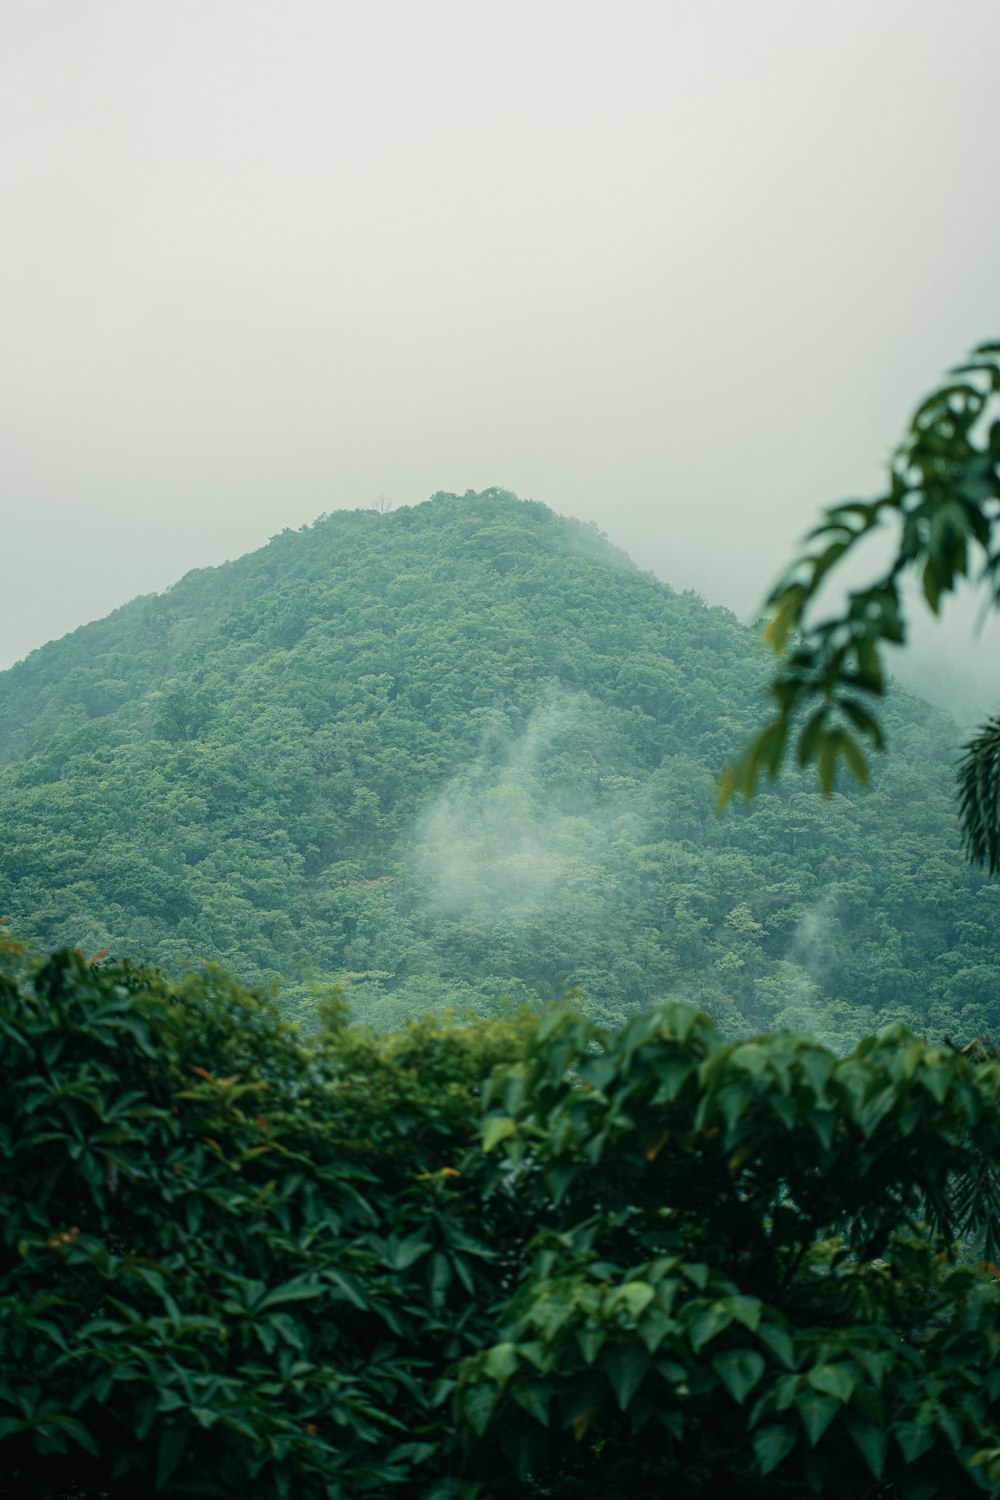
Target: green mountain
465,750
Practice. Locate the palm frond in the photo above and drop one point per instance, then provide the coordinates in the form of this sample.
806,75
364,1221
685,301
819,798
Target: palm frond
979,796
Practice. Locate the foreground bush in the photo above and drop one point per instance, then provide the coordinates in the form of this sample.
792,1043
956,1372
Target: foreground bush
479,1261
233,1262
738,1295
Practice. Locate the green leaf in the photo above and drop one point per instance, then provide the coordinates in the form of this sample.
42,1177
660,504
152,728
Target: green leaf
534,1398
871,1444
696,1273
625,1365
817,1412
770,746
439,1277
79,1434
501,1362
496,1129
705,1325
914,1439
746,1310
733,1100
785,618
634,1297
347,1287
400,1254
855,757
300,1289
833,1380
478,1402
772,1445
591,1342
864,720
172,1447
739,1370
812,735
779,1342
828,752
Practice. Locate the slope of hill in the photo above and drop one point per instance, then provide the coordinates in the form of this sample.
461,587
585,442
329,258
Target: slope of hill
462,750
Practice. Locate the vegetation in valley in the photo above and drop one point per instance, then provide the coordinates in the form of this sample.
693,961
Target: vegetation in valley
467,750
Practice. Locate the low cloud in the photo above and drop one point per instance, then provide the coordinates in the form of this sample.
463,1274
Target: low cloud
496,841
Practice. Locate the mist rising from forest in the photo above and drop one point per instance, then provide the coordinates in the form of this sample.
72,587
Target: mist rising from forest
496,843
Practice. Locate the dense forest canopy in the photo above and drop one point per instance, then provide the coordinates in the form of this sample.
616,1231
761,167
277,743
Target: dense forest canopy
467,750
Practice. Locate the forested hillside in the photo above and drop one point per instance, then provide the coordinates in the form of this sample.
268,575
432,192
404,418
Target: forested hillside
466,750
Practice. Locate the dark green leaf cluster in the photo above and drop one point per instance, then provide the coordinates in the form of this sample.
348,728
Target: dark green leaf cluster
738,1293
943,502
231,1262
477,1260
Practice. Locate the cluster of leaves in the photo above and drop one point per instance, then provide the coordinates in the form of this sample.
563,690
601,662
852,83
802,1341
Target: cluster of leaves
943,499
463,750
207,1284
470,1261
737,1293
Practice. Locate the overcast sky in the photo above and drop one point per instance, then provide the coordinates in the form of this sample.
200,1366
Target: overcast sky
680,267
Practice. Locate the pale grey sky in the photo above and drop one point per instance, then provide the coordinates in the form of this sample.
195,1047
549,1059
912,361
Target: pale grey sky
681,268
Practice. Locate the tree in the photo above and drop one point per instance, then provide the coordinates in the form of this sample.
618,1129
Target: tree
235,1258
943,498
733,1292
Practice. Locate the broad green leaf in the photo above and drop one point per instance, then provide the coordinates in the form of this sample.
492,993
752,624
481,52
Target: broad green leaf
829,750
833,1380
871,1443
785,617
301,1289
708,1323
696,1273
864,720
591,1341
634,1297
401,1253
656,1323
534,1397
914,1439
779,1342
817,1412
500,1363
739,1370
478,1402
171,1450
625,1365
936,1080
854,757
746,1310
496,1129
772,1444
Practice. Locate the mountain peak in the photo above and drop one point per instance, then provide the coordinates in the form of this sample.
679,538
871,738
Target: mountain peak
462,749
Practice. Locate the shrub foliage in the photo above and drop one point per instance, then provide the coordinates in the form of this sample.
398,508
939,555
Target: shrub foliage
524,1256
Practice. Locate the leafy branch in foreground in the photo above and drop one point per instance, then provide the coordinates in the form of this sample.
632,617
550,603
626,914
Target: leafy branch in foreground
944,499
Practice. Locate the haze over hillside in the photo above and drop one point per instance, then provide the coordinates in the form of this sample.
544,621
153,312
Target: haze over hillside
466,750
